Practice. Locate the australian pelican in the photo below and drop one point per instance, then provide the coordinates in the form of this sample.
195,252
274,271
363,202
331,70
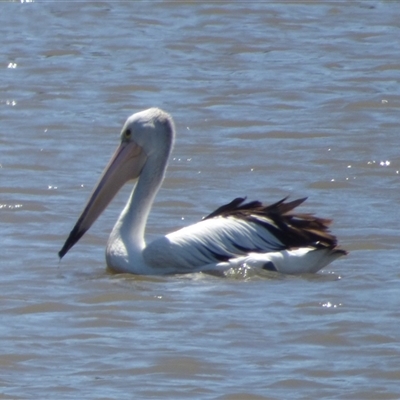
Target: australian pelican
237,234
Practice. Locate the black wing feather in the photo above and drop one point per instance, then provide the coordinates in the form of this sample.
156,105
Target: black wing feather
292,229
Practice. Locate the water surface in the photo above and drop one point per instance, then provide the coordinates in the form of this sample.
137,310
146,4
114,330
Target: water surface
269,100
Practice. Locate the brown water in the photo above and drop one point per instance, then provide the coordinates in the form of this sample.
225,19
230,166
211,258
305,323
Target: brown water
270,99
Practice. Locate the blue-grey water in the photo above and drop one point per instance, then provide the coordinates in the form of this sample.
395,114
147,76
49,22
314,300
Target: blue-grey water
270,99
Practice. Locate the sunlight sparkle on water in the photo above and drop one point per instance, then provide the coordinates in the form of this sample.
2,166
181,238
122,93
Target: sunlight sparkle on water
328,304
384,163
10,206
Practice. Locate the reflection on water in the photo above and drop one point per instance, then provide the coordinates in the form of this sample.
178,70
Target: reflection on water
269,100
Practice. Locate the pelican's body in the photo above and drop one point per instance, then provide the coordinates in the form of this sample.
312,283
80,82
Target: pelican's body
237,234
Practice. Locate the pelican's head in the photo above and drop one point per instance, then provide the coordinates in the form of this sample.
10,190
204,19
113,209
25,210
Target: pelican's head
146,135
152,130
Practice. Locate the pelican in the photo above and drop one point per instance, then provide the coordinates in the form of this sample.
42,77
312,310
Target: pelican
237,234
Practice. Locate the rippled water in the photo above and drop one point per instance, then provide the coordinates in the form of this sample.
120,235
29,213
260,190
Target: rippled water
270,99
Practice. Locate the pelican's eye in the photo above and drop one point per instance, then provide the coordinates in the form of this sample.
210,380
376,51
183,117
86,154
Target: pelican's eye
128,134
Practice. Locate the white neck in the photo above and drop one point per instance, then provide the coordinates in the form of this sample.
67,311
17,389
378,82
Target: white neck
126,241
134,216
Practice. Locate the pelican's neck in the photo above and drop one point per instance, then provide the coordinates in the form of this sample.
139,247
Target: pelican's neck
131,224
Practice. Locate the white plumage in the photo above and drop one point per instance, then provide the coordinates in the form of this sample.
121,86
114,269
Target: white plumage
237,234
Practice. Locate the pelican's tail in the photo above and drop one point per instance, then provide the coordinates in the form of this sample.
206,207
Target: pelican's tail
297,261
